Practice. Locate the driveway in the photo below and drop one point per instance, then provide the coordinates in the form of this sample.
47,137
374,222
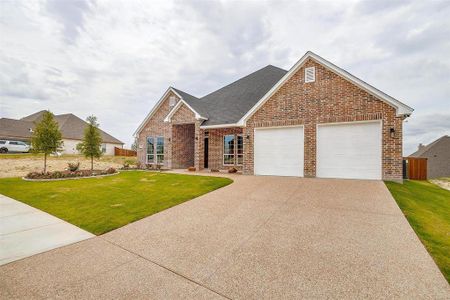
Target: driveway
25,231
261,237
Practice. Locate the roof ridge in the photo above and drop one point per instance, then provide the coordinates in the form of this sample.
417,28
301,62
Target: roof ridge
248,75
428,147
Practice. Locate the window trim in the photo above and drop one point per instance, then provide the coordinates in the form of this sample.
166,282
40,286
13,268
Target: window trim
235,149
237,155
155,150
223,150
146,150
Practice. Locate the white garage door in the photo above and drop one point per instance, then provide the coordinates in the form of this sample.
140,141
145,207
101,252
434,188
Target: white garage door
351,150
279,151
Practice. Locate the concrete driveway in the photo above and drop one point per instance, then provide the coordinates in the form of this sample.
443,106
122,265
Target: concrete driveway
261,237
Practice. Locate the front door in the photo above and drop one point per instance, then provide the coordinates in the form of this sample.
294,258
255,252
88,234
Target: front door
206,150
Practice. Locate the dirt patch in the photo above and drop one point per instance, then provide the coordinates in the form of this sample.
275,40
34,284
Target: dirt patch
443,183
18,167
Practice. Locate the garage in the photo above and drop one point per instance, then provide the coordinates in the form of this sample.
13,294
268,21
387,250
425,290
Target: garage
349,150
279,151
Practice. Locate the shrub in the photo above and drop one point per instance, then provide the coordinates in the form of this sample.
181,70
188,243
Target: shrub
129,162
73,166
215,170
68,174
192,169
232,170
110,170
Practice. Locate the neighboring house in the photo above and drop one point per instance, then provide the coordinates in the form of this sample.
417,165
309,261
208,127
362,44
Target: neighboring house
315,120
438,157
71,127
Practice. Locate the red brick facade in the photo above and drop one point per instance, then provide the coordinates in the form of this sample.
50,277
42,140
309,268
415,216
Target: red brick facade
330,99
183,137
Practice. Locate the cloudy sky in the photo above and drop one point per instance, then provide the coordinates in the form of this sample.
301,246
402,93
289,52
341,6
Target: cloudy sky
115,59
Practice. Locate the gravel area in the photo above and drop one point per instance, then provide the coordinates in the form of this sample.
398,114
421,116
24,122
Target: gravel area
18,167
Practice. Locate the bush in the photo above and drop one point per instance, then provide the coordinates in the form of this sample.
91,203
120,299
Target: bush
73,166
129,162
232,170
215,170
110,170
192,169
69,174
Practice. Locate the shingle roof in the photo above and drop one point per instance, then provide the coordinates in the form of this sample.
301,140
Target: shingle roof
71,127
230,103
194,102
428,147
15,129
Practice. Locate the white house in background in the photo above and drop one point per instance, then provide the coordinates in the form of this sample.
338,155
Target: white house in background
71,127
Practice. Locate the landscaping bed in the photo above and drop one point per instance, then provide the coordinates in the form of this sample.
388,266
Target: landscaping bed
67,174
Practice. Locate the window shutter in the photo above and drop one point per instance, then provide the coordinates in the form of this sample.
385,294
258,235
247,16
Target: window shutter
310,74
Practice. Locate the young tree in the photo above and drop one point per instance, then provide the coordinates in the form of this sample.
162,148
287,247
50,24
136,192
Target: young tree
134,146
46,137
91,144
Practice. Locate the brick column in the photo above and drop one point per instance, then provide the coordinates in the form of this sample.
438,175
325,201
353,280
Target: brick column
248,168
198,147
309,150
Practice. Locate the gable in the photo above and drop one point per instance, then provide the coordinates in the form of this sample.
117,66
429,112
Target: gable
159,112
309,57
329,95
183,114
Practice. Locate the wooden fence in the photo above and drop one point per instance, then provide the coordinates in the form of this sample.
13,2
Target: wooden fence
124,152
416,168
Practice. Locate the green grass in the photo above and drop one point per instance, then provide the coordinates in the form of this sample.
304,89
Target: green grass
427,208
99,205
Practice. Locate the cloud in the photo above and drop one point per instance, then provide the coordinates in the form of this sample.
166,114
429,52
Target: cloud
115,59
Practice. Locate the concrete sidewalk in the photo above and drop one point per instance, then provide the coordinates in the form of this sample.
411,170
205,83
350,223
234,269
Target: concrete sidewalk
25,231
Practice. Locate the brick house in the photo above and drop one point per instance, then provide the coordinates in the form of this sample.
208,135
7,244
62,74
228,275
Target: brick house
437,154
315,120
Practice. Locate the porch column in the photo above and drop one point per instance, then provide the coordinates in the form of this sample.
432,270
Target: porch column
198,150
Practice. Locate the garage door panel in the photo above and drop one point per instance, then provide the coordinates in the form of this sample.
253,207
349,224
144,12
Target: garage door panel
279,151
351,150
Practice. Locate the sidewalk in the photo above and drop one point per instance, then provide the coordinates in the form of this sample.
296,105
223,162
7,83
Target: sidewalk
25,231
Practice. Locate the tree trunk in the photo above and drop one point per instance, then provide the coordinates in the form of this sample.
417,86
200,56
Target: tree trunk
92,164
45,162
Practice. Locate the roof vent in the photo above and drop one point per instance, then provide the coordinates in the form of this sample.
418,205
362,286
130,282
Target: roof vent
310,74
172,101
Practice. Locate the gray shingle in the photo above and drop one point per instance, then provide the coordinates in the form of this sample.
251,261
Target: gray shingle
71,127
230,103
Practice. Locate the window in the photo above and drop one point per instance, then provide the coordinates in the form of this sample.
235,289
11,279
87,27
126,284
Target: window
310,74
150,150
228,149
2,142
160,150
103,148
233,149
13,143
155,149
240,150
172,101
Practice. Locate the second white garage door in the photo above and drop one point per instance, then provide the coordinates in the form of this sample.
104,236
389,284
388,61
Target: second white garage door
350,150
279,151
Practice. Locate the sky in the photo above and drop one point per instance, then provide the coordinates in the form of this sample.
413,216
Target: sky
115,59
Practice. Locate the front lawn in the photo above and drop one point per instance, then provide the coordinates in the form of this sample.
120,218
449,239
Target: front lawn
99,205
427,208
